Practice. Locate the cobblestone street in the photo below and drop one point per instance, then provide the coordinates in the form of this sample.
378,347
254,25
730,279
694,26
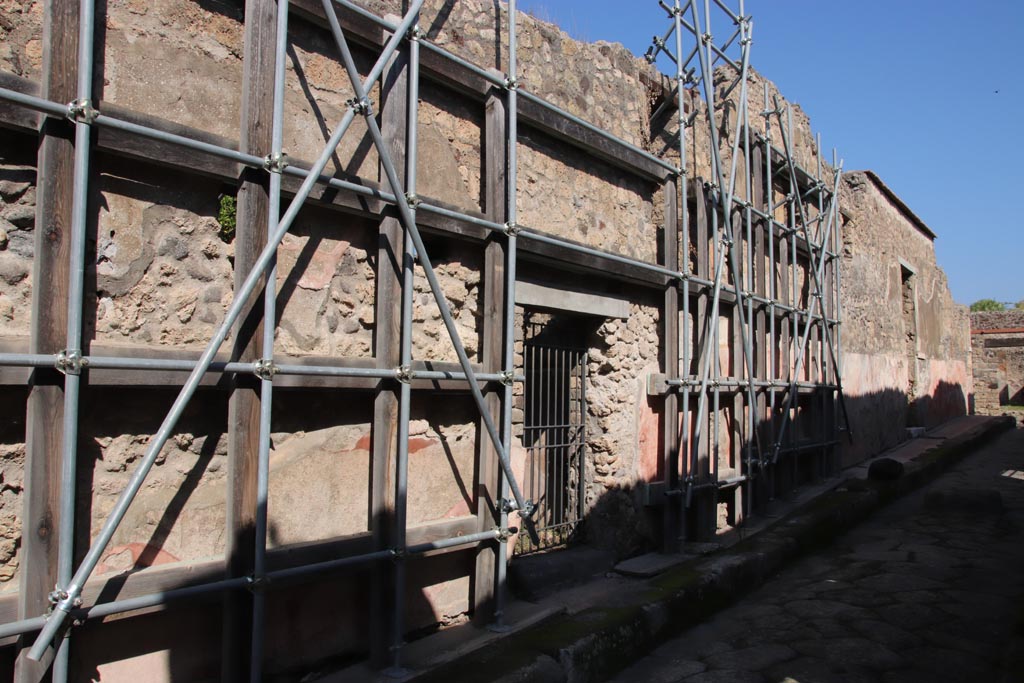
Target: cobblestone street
927,589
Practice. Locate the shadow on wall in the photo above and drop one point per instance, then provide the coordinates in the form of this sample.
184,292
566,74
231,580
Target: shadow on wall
324,624
618,520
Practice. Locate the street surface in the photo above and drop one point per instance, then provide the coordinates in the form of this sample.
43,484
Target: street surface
926,590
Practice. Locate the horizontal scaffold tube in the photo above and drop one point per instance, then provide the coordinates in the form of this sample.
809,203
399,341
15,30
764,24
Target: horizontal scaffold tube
275,578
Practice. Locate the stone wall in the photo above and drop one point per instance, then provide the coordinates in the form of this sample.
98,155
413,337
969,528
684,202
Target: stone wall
903,364
162,269
997,350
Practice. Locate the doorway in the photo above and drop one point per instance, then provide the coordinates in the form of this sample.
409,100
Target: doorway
554,429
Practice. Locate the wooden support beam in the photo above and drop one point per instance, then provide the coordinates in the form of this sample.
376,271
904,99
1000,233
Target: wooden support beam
671,532
738,430
50,282
387,351
762,491
545,120
130,145
492,351
702,508
244,402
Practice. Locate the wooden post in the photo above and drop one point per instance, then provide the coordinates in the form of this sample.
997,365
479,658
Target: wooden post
671,532
784,365
738,433
760,323
50,280
244,401
487,470
704,501
387,347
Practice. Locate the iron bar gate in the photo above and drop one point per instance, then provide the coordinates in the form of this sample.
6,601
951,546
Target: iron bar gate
554,434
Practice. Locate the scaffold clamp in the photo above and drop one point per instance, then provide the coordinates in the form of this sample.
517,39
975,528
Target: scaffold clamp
276,163
82,111
70,362
511,229
256,584
265,369
361,105
403,373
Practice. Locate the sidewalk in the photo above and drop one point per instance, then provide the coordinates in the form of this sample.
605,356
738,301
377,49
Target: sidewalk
587,632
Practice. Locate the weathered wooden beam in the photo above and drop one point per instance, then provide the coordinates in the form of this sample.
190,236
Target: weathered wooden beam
12,115
589,141
169,155
244,401
491,351
387,351
671,514
50,283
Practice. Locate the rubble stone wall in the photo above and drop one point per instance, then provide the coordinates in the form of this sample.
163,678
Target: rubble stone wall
902,366
997,351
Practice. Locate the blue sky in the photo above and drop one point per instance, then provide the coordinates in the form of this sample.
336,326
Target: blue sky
929,95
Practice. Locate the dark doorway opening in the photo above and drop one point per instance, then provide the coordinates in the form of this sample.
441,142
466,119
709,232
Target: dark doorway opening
554,428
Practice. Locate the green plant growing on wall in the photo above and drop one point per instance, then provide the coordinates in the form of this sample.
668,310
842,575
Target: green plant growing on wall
227,217
987,305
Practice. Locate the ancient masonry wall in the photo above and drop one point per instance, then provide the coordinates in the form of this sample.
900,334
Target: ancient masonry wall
906,344
161,271
997,351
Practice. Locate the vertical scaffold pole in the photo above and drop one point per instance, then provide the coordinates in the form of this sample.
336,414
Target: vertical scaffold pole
274,164
80,111
685,470
508,338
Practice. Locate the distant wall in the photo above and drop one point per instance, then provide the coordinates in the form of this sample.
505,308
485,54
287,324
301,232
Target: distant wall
906,344
997,347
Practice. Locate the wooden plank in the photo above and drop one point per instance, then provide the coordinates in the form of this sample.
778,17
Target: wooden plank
671,514
1003,343
488,475
168,155
244,401
387,351
50,281
572,300
583,138
12,115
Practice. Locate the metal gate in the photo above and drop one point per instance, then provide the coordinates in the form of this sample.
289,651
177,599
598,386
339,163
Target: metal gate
554,434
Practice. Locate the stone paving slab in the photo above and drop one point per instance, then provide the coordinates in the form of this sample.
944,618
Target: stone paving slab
890,617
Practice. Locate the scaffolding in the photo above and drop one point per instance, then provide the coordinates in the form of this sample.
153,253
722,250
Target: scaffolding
727,258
